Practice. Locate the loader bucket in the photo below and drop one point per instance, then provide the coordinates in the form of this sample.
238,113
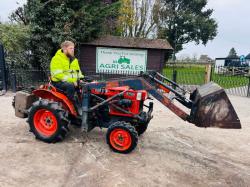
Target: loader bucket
212,108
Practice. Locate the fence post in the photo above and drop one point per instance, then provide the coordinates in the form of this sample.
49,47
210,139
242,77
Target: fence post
233,71
248,89
13,81
3,68
208,73
174,77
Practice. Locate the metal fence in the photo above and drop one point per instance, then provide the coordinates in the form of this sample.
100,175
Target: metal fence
187,75
19,79
235,81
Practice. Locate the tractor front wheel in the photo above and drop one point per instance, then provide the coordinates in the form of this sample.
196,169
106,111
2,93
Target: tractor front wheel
122,137
48,121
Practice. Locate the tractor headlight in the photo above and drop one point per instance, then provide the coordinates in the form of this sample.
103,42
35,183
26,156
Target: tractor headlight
146,96
139,96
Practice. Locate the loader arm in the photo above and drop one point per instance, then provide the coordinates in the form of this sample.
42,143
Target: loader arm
209,105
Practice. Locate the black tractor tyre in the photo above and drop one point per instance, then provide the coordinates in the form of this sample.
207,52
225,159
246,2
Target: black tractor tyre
141,128
54,114
122,137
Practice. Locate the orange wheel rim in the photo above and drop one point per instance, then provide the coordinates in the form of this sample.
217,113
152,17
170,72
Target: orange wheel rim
120,139
45,122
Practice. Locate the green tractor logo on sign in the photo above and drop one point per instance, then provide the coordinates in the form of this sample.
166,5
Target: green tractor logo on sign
122,60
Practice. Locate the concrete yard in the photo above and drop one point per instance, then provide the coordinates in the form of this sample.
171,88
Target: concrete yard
171,153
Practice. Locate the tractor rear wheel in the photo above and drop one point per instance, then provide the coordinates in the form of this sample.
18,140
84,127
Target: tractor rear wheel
122,137
48,121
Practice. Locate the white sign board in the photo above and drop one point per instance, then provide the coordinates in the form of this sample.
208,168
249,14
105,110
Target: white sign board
120,60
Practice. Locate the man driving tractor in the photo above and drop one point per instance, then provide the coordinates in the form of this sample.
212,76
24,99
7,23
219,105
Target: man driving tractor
65,69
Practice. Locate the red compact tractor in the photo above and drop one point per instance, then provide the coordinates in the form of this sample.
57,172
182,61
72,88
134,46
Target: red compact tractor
120,109
118,105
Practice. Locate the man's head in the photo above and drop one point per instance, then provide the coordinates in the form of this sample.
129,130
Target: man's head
68,48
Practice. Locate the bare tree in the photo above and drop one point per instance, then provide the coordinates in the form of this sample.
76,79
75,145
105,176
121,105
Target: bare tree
19,16
138,18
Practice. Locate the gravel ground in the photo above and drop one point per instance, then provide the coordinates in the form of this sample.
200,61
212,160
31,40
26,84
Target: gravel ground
171,153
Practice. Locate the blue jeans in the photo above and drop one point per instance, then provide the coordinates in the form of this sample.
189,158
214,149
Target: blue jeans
66,87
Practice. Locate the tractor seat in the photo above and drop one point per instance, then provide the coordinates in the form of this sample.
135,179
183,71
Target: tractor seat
57,89
54,87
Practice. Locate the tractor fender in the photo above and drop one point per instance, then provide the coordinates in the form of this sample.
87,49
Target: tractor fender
56,96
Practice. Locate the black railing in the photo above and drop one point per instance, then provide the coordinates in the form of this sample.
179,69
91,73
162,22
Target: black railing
20,79
235,81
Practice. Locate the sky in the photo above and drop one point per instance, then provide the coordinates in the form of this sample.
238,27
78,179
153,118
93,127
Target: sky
7,6
233,17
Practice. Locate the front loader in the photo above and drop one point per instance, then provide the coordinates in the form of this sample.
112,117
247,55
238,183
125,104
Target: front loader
119,105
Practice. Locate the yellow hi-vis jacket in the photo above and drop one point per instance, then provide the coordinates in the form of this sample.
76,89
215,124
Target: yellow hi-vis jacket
62,69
